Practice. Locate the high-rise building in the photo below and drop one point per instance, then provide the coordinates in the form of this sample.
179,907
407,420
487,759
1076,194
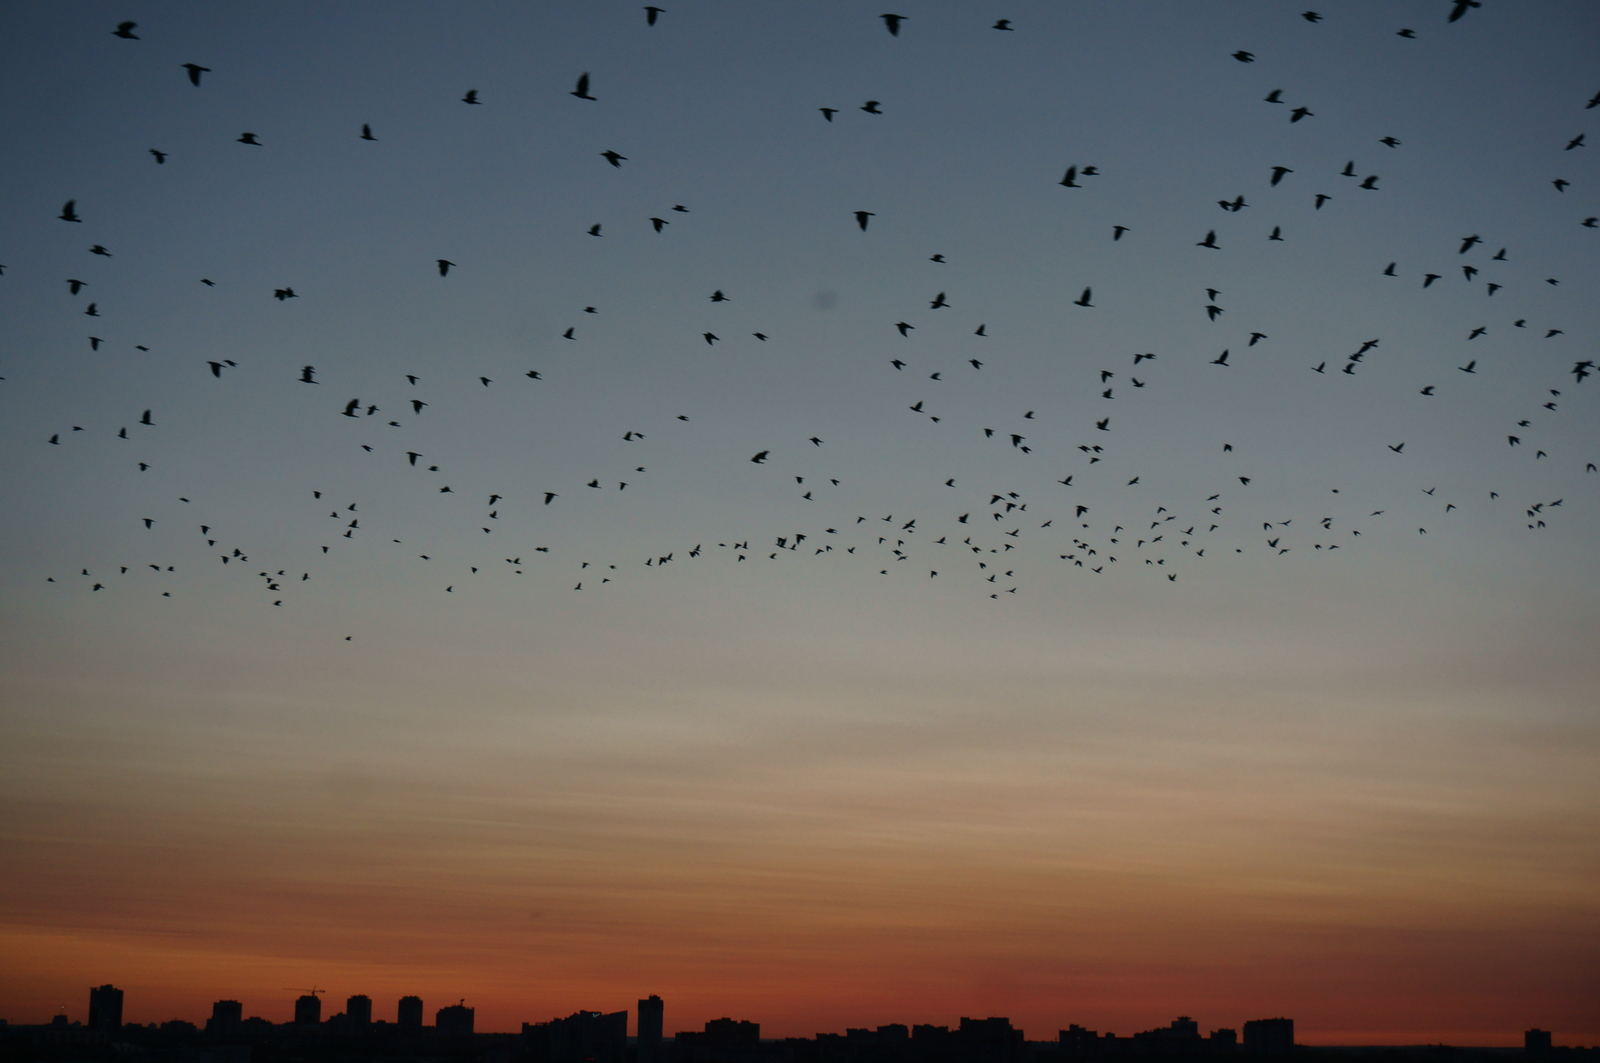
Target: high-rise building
652,1013
226,1015
1269,1037
358,1010
308,1010
1536,1042
410,1012
454,1020
105,1008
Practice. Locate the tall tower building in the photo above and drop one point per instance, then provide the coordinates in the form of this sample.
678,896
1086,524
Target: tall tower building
308,1010
105,1008
358,1010
410,1013
648,1040
226,1015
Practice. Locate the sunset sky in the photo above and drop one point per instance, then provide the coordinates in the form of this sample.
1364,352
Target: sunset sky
1254,687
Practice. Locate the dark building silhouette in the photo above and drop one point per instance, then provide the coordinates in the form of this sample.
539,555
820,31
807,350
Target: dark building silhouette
410,1013
358,1010
105,1008
308,1010
226,1015
582,1037
647,1042
1269,1037
1223,1038
724,1032
1536,1042
454,1020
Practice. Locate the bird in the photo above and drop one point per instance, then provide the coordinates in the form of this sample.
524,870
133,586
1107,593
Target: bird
1429,278
892,23
1388,271
306,375
1069,179
1319,367
281,294
1470,367
1467,243
1273,97
125,31
145,419
761,458
1409,34
1276,234
1003,24
1299,113
861,218
582,89
1221,359
195,70
1278,172
659,223
614,159
710,338
1561,184
938,302
160,156
91,311
471,97
1349,169
1311,16
1575,142
904,328
1371,183
1245,57
1104,426
249,138
76,285
650,14
69,213
1213,311
98,249
95,342
980,331
828,112
594,230
718,297
1321,199
1397,449
1083,300
1461,8
1117,231
871,107
444,265
366,132
1210,241
1390,141
1427,390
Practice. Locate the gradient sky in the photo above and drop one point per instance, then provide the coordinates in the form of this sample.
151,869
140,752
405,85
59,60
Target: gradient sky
817,787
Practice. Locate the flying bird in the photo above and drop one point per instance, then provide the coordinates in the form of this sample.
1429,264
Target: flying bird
828,112
1210,241
195,70
871,107
160,156
1245,57
761,458
249,138
1461,8
1003,24
1083,300
1278,172
582,89
70,214
1275,96
471,97
861,218
1299,113
125,31
892,23
366,132
444,266
614,159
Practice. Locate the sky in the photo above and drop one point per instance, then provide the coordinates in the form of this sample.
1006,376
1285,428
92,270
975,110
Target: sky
1165,624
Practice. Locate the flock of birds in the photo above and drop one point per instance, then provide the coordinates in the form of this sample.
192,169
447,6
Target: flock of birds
994,538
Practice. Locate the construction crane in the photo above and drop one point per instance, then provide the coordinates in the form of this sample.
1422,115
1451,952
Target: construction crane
313,991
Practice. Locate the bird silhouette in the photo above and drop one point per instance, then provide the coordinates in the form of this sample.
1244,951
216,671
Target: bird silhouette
160,157
871,107
125,31
471,97
69,213
1461,8
1299,113
651,13
1210,241
444,265
1245,57
249,138
195,70
366,132
861,218
1083,300
828,112
892,23
614,159
582,89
